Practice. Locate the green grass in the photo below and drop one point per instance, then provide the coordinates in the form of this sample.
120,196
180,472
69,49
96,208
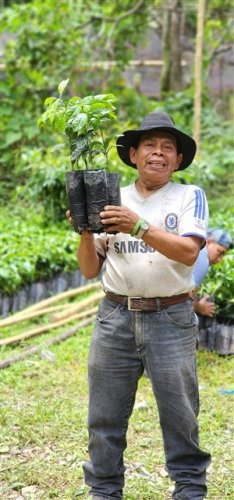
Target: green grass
43,413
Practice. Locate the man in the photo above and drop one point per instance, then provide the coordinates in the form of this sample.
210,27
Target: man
212,335
146,319
217,244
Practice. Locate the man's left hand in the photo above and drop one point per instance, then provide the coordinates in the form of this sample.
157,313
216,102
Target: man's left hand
119,218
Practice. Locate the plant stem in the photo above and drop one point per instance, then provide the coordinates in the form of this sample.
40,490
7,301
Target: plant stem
105,151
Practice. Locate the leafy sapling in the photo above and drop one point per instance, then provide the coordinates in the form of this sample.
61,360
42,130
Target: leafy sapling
84,122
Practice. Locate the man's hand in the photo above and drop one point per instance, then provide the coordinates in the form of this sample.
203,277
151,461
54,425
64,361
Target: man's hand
118,218
84,234
204,307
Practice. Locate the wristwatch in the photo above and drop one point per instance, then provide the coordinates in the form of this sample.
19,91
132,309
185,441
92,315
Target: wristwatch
142,229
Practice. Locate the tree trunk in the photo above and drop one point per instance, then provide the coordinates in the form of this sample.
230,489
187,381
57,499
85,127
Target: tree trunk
198,72
171,75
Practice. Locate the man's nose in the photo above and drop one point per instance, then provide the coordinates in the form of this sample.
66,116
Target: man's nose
158,150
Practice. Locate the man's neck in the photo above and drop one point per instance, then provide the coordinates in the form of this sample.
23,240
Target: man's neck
146,189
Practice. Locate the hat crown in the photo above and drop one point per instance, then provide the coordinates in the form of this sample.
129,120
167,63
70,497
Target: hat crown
157,119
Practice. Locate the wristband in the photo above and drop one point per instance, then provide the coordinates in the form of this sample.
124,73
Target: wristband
137,226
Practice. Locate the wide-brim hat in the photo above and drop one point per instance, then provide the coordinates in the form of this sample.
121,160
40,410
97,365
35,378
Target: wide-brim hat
161,121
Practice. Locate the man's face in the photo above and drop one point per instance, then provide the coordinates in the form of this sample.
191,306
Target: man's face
215,251
156,157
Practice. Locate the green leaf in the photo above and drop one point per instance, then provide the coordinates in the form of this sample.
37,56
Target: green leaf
59,122
100,107
42,119
107,141
106,97
79,148
50,100
4,89
31,132
12,137
62,86
96,144
78,122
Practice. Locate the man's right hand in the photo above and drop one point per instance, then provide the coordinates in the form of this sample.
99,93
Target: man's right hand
85,234
68,215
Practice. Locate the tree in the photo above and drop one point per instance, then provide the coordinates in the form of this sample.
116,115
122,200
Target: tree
198,71
51,41
171,75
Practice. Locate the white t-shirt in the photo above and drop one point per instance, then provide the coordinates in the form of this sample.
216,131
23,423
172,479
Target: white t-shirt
134,269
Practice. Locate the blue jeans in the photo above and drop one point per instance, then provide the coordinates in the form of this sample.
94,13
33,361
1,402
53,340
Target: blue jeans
123,344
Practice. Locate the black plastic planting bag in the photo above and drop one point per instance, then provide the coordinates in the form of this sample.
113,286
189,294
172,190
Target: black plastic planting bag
113,191
88,193
77,199
96,190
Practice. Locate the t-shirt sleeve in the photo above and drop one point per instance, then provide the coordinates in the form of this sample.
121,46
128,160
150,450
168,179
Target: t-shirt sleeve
194,214
101,243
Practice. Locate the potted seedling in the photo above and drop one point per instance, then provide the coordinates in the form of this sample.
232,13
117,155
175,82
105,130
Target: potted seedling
84,122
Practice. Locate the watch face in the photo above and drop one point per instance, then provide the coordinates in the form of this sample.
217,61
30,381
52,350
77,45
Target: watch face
145,225
143,228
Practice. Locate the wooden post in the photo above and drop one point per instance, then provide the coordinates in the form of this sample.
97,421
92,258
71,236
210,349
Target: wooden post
55,340
198,72
46,302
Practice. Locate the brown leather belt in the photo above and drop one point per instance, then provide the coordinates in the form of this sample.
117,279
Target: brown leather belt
143,304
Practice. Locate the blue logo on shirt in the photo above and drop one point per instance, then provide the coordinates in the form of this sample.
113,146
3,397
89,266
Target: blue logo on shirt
171,221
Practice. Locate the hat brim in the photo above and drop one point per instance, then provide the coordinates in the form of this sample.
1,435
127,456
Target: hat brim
130,138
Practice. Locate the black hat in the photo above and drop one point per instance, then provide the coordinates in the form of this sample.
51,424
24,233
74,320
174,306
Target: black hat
158,120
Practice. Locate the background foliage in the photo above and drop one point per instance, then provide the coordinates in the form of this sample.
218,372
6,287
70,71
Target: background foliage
47,42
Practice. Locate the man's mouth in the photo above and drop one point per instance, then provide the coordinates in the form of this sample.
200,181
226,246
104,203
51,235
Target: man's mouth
156,164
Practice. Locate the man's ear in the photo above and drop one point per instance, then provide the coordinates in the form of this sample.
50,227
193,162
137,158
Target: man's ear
132,154
178,161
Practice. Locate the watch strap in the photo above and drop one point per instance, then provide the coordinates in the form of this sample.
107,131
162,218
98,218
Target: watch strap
142,230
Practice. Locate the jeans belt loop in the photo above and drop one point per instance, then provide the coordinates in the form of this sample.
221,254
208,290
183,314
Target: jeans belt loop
158,305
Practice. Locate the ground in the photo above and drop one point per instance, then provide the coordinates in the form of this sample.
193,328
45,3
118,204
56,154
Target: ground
43,426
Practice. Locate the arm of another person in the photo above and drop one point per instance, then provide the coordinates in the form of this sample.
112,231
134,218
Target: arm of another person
204,306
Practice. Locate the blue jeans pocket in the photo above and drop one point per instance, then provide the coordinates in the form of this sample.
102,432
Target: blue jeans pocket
107,310
181,315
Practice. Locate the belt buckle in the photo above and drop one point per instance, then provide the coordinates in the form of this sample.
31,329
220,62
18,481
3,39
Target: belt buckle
129,304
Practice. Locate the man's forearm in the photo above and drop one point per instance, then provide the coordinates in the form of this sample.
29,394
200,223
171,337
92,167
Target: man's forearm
196,307
89,262
181,249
